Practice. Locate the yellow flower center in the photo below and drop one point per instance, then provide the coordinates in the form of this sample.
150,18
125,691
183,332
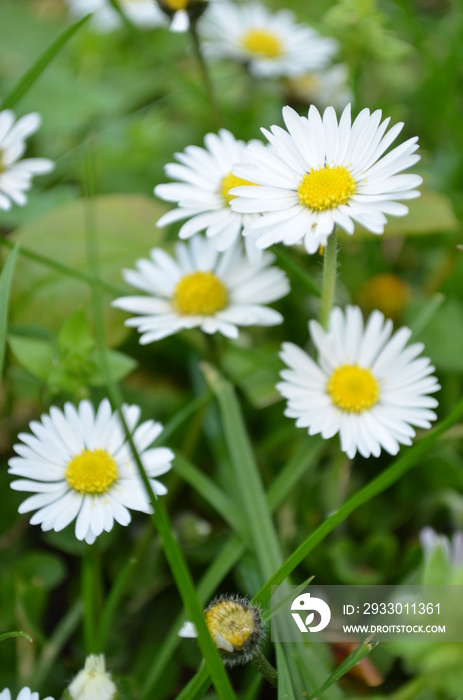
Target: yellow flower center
92,471
230,181
326,188
353,388
200,293
262,43
176,4
231,621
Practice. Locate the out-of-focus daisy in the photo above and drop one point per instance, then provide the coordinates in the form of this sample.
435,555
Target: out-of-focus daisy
320,173
272,44
16,174
80,467
202,191
24,694
143,13
367,385
323,88
93,682
201,288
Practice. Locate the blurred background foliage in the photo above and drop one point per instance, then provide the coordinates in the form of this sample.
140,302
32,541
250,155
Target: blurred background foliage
131,100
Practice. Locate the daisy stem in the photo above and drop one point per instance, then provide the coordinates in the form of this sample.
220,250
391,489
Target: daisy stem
203,67
265,668
329,279
89,586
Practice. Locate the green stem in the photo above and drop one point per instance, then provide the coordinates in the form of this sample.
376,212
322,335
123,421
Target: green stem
216,114
89,586
265,668
329,279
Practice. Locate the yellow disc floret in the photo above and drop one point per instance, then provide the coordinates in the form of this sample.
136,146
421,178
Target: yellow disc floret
326,188
91,471
353,388
176,4
230,181
230,621
200,293
262,43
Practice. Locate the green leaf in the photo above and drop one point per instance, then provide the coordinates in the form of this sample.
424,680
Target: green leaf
126,231
5,285
285,686
34,354
42,62
120,366
197,687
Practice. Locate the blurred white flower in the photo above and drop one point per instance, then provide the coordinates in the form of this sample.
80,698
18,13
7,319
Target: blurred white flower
271,44
93,682
16,174
143,13
323,88
24,694
202,288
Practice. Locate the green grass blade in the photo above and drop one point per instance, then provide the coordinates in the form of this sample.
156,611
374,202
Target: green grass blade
294,470
285,686
41,63
14,635
250,488
65,269
5,286
197,687
382,482
352,660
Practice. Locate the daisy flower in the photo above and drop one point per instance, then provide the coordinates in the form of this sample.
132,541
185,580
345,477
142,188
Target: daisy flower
201,288
272,44
202,191
15,174
143,13
79,466
24,694
452,548
93,682
320,173
366,386
179,12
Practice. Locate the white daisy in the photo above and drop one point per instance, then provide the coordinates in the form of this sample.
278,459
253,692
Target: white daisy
320,173
202,191
272,44
367,386
93,682
143,13
15,174
80,467
323,88
201,288
24,694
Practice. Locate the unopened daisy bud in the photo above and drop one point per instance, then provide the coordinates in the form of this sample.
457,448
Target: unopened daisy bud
93,682
235,626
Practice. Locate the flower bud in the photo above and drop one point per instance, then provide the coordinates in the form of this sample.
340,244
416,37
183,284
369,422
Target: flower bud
93,682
